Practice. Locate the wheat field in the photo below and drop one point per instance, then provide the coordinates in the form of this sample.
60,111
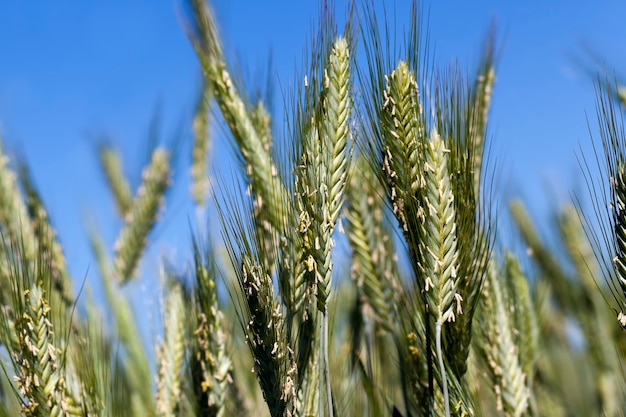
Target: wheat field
423,313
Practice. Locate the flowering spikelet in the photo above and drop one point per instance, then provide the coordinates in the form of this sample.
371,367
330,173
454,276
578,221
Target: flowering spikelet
402,133
324,178
439,252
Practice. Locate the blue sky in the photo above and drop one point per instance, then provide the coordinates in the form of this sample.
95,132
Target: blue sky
73,71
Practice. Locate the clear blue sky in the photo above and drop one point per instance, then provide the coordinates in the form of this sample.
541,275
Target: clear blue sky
71,71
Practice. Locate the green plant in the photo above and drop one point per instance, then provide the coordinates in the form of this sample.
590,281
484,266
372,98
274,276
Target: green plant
431,317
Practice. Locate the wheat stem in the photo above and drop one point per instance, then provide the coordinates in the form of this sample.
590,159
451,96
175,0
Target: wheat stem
136,366
442,368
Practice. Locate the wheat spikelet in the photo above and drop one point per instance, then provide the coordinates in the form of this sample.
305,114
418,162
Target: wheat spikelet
312,208
140,220
171,354
111,164
337,107
438,249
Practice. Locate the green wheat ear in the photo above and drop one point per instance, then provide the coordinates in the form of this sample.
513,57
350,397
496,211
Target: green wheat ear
111,163
49,247
13,212
523,318
211,368
34,339
139,221
260,312
201,143
374,266
323,183
403,134
265,184
497,345
266,338
439,254
171,353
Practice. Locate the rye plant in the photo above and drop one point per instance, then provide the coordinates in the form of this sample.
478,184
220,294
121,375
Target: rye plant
358,270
